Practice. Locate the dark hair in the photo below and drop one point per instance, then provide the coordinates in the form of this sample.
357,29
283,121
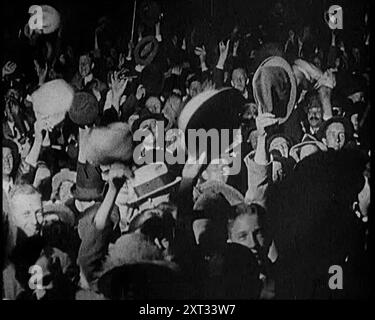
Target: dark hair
15,154
242,209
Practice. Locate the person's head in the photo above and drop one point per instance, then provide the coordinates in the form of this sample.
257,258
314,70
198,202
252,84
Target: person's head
172,109
314,111
157,225
65,191
336,132
246,227
153,104
10,158
280,144
86,64
194,86
26,209
239,79
7,161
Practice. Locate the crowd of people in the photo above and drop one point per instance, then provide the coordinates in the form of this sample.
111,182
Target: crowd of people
83,219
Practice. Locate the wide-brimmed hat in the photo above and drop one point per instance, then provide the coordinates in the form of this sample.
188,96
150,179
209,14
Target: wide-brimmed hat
146,50
63,212
89,183
306,140
213,109
150,181
275,87
53,99
63,175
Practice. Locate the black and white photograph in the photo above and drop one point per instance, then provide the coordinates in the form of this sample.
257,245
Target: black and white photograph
202,153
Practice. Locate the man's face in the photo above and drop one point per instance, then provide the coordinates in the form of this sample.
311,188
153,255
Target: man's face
7,161
335,136
85,65
27,213
246,230
239,79
280,144
315,117
153,104
195,88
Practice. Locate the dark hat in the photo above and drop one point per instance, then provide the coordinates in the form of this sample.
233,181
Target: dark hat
275,87
152,79
353,84
213,109
344,121
84,110
146,50
109,144
89,184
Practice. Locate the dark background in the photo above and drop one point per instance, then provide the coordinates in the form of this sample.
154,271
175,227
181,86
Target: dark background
80,17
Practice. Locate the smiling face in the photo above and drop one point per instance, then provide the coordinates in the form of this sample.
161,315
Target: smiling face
27,212
315,116
246,230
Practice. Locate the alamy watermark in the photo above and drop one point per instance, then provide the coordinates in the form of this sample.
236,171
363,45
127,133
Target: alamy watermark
170,147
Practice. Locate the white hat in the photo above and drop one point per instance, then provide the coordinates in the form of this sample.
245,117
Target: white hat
52,100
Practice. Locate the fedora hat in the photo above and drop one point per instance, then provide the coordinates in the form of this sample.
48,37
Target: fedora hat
150,181
275,87
146,50
213,109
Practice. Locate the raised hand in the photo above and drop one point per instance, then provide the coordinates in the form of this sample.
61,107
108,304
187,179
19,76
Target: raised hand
118,85
264,120
223,50
8,68
141,92
41,72
201,53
